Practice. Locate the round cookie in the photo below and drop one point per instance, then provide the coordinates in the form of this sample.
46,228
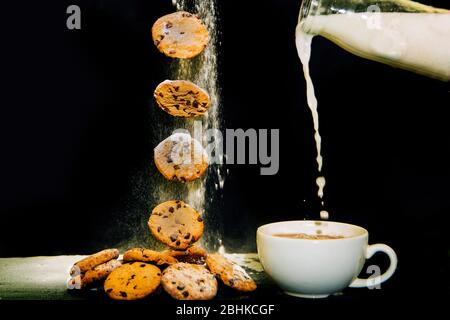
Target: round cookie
176,224
181,98
132,281
180,35
185,281
94,260
94,275
181,158
194,255
147,255
230,273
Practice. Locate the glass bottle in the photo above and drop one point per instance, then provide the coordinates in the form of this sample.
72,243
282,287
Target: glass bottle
400,33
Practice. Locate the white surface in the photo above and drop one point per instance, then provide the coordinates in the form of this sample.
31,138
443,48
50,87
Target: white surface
35,277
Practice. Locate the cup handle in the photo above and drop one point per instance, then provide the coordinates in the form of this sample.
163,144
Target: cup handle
360,283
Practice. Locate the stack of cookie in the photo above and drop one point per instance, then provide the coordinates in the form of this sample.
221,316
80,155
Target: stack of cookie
181,35
184,270
93,269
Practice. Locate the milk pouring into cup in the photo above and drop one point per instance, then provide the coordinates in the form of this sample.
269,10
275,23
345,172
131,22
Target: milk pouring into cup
400,33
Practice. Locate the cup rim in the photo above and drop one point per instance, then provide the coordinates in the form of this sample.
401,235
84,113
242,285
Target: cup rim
364,233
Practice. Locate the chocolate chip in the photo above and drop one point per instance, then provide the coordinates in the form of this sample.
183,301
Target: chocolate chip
183,179
178,243
195,104
176,88
161,37
169,25
187,236
178,206
178,201
133,276
108,290
143,265
181,287
123,294
176,167
159,229
172,52
199,219
171,210
135,287
177,106
185,294
182,32
165,216
156,42
145,256
161,94
173,237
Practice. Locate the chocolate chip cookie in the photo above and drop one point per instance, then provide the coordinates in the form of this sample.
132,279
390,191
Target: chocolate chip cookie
147,255
176,224
230,273
94,275
181,158
181,98
193,255
132,281
180,35
185,281
94,260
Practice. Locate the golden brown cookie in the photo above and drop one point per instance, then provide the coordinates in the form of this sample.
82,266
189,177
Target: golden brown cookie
93,276
193,255
94,260
132,281
180,35
185,281
181,98
147,255
230,273
181,158
176,224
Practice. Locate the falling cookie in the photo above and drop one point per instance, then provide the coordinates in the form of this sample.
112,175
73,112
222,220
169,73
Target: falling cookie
147,255
94,260
176,224
194,255
185,281
181,158
181,98
132,281
230,273
180,35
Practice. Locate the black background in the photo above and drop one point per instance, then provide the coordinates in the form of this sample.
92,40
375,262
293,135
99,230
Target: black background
76,125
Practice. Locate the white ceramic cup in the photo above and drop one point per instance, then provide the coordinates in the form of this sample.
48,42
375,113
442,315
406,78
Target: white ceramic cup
317,268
